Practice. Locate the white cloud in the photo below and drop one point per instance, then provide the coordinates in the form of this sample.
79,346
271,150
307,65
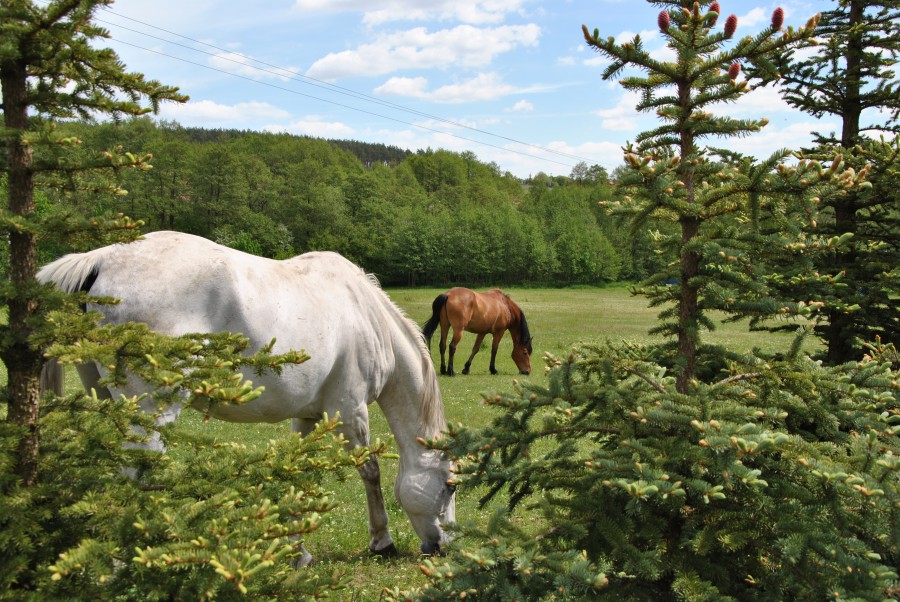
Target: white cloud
777,135
376,12
418,48
664,53
313,125
523,106
759,102
597,61
484,86
623,116
213,114
647,35
241,64
753,19
607,154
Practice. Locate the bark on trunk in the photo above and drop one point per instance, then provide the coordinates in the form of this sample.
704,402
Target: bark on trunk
840,331
23,363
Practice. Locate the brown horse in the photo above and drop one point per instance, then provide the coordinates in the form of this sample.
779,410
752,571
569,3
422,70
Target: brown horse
480,313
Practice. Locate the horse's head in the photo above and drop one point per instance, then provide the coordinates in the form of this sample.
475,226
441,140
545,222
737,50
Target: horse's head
521,355
427,495
522,338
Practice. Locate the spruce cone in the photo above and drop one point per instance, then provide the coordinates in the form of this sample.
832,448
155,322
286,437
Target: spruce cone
715,8
663,21
730,25
778,18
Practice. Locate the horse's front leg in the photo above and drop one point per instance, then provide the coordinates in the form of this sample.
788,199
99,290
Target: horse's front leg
356,431
380,541
475,348
495,343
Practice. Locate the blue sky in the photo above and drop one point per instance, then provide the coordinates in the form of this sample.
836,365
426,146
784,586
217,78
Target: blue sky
510,80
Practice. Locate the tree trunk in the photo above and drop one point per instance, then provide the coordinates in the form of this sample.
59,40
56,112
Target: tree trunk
687,308
23,363
840,332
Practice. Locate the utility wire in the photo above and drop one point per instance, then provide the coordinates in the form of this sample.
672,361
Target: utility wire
288,74
352,108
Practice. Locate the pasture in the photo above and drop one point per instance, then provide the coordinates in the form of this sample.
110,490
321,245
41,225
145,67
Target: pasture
559,318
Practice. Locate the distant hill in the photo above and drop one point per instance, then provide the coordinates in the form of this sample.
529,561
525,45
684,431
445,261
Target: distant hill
368,153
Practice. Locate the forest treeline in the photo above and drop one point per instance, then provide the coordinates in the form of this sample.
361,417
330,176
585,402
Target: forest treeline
430,217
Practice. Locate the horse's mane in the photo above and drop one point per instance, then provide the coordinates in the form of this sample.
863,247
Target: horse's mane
524,333
433,421
523,326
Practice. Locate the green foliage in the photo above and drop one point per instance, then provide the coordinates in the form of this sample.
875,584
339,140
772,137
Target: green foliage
86,511
777,481
851,76
434,218
205,521
687,471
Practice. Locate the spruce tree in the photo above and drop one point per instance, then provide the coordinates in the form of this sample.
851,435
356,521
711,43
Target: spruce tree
49,69
682,471
209,521
851,76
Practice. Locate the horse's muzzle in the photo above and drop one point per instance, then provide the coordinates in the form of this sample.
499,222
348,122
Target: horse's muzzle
431,548
525,372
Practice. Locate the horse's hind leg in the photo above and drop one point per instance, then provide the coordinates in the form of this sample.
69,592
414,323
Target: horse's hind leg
90,377
454,342
443,347
304,427
475,348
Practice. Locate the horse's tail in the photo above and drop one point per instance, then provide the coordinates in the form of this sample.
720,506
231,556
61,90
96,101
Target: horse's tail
71,273
74,272
431,325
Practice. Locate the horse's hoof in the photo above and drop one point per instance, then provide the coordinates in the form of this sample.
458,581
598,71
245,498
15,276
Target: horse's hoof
431,548
389,551
465,371
304,560
494,372
443,372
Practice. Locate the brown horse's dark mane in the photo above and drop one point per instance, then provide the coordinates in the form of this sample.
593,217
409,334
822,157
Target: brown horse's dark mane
524,333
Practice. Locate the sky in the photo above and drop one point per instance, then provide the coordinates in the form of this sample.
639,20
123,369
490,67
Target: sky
510,80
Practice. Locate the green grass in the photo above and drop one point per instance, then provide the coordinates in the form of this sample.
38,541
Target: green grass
559,319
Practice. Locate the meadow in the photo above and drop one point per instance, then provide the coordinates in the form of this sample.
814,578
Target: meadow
559,319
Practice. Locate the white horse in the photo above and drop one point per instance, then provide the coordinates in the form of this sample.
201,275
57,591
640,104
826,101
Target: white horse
362,347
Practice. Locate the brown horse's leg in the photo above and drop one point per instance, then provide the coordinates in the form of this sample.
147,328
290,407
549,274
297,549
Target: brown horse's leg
495,343
443,346
457,335
475,349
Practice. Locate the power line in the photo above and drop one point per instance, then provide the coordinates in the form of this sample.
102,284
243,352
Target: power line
352,108
291,75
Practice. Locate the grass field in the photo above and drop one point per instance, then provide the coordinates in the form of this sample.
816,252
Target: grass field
558,318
